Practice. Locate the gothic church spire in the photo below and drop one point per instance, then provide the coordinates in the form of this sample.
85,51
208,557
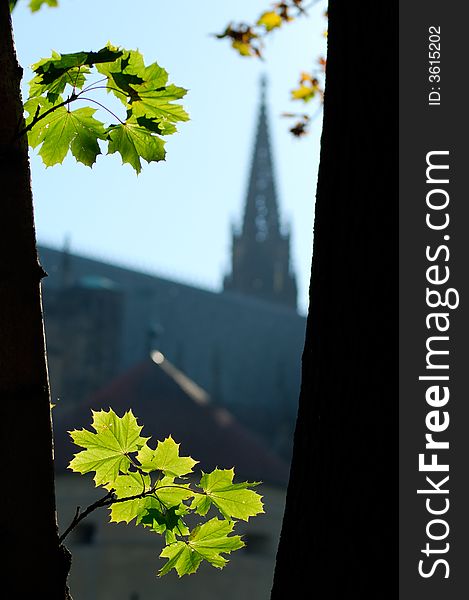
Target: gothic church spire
261,253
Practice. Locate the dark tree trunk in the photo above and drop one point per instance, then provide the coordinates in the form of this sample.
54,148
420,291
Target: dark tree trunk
340,530
34,566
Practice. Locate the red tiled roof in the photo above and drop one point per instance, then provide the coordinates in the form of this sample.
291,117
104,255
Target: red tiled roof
167,402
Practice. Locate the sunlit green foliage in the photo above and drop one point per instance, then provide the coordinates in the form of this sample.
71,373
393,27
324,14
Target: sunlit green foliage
150,107
155,488
35,5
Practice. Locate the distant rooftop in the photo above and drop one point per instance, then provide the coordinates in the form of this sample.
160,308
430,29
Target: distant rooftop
167,402
244,350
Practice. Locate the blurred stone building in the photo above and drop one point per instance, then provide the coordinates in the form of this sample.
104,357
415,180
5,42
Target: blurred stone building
242,345
226,387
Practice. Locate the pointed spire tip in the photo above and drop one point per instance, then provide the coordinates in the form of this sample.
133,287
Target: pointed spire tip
264,83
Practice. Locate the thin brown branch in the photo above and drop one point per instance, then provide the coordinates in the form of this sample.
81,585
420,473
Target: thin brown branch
110,499
79,516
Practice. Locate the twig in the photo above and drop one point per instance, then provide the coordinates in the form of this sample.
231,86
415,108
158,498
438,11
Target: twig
110,499
79,516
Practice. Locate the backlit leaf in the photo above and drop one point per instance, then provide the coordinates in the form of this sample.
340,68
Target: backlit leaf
106,450
233,500
54,68
126,486
143,485
208,541
133,142
123,73
159,104
152,107
64,130
144,89
165,458
162,520
74,77
171,493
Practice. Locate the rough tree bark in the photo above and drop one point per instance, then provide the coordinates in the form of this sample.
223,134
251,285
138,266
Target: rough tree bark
340,530
34,566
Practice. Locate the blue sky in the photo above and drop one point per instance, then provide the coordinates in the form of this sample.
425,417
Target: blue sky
174,219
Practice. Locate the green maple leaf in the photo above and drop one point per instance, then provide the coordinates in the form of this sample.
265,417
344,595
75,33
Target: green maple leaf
106,450
130,70
35,5
167,500
171,493
165,458
88,130
159,127
208,541
121,83
51,69
125,72
74,76
165,520
126,486
162,505
181,557
233,500
144,90
35,107
63,130
132,142
131,62
54,73
151,108
159,103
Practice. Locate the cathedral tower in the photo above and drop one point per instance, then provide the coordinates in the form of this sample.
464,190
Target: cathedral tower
261,252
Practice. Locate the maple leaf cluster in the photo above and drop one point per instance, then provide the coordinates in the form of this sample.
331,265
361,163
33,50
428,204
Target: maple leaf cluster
150,104
154,487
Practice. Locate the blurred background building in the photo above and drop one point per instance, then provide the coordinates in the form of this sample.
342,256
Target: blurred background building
218,371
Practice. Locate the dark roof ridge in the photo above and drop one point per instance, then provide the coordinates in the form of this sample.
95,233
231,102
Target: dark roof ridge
167,402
